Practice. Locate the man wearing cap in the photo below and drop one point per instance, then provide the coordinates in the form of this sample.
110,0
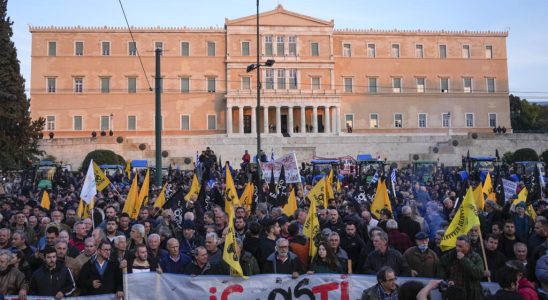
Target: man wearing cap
524,223
52,279
422,260
190,239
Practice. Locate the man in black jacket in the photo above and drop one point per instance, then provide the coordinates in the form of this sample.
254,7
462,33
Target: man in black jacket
282,261
408,225
52,279
385,256
99,275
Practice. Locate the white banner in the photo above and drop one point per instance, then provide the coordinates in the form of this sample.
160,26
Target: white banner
291,169
97,297
267,286
510,188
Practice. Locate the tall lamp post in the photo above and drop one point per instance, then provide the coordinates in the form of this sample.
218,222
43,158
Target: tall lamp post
268,63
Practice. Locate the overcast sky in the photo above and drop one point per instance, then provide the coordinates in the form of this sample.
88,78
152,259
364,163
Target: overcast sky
526,22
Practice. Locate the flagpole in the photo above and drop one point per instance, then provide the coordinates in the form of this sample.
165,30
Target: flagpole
483,253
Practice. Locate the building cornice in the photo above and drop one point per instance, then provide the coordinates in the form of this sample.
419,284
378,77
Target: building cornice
123,29
371,31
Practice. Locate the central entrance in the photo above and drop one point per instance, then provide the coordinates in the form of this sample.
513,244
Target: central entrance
284,123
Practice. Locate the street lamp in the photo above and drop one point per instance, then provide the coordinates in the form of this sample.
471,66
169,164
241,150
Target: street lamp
250,68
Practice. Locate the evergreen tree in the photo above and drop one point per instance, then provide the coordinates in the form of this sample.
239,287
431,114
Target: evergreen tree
18,132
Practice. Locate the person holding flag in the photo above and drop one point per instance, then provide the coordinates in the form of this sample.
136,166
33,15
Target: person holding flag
230,254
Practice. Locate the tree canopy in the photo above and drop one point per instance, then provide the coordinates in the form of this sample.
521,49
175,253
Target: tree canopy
18,132
528,117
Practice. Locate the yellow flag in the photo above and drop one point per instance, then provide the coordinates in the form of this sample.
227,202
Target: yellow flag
381,199
311,228
128,168
131,199
143,196
329,186
291,206
464,219
247,196
478,196
84,208
161,199
338,185
488,184
101,180
317,194
45,203
194,188
229,252
522,197
231,197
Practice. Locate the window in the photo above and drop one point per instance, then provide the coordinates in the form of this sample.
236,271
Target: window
292,40
280,46
105,85
489,52
347,50
492,120
466,51
132,85
268,45
443,51
185,122
293,79
52,48
373,120
396,85
105,123
490,85
281,79
132,48
467,84
131,123
77,123
211,122
185,49
395,50
51,84
78,48
269,85
105,48
348,85
78,85
445,120
50,123
419,51
210,48
444,85
469,117
185,84
371,50
420,85
246,83
398,120
372,84
159,45
315,49
245,48
211,84
349,120
422,120
315,83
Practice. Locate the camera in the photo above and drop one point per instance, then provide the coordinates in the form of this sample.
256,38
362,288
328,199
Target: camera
442,287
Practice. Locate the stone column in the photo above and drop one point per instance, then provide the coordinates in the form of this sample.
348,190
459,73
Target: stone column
334,123
315,118
241,119
229,120
338,119
303,119
290,119
278,119
265,111
253,120
327,120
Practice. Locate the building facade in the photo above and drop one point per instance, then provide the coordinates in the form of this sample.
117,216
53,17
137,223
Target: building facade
324,81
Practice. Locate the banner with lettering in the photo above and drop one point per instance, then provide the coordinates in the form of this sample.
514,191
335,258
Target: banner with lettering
291,168
510,188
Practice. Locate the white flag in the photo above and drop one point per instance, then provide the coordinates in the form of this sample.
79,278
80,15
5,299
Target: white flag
89,190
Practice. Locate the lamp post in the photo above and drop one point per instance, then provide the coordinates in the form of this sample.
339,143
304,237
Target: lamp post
250,68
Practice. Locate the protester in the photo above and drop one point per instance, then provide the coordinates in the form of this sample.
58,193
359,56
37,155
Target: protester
100,275
282,261
325,261
386,287
12,281
385,256
52,279
422,261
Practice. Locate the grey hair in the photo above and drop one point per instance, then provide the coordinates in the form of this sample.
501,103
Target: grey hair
279,241
140,228
391,224
7,253
406,210
117,239
154,235
383,235
212,235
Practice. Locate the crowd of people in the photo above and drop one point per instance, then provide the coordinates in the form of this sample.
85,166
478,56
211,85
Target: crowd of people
55,252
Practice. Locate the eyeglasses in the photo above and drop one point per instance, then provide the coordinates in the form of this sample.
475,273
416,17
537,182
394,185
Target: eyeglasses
391,279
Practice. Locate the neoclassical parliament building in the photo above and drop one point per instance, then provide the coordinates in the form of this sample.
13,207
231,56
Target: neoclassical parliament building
325,81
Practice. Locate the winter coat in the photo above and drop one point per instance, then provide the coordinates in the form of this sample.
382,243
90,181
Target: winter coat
392,258
425,263
12,281
470,265
111,281
46,282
